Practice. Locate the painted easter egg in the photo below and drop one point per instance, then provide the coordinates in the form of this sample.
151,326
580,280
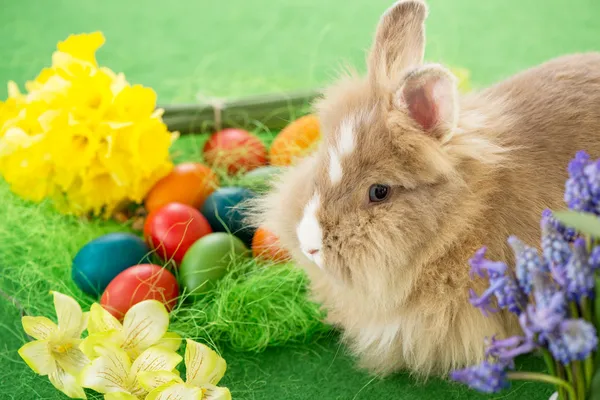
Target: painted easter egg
225,213
235,150
208,260
295,141
139,283
103,258
260,180
188,183
265,246
173,228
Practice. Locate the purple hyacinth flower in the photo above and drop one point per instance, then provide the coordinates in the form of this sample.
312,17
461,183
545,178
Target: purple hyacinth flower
574,340
544,320
504,287
556,251
578,193
594,260
486,377
579,274
592,173
569,234
527,260
506,350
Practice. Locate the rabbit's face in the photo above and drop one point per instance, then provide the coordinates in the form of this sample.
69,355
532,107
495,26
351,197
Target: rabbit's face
379,191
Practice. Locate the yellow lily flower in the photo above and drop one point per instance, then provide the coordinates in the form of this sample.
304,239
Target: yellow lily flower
204,370
55,352
144,325
114,375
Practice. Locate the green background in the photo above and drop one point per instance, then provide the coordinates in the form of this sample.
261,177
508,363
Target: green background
188,50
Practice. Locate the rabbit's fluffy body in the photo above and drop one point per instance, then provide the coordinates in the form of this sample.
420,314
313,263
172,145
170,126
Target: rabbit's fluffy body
463,171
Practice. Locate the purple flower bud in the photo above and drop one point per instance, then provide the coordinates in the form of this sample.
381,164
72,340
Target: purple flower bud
504,287
485,377
574,340
569,234
594,260
527,260
555,247
507,349
582,187
579,274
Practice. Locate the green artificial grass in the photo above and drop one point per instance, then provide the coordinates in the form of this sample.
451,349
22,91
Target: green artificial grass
188,50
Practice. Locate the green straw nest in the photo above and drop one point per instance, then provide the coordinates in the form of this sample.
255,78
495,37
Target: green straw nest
254,307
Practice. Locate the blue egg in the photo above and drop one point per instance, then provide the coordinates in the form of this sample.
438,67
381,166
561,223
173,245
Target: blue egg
99,261
224,212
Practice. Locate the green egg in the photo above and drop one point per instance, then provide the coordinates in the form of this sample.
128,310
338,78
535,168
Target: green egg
208,260
260,180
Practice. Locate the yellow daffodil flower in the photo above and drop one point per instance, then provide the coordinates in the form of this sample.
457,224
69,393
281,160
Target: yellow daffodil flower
117,377
99,142
144,325
55,352
204,370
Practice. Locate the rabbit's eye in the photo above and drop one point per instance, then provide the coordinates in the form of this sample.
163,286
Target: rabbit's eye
378,193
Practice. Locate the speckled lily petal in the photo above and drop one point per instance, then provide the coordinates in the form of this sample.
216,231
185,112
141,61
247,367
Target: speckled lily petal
203,365
101,320
107,373
212,392
67,384
151,380
69,314
145,324
178,391
37,355
38,327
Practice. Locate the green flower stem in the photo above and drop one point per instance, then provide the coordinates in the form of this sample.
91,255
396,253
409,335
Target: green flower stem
588,366
574,310
555,369
580,380
586,309
553,380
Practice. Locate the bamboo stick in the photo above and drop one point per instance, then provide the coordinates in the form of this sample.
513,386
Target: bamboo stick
273,111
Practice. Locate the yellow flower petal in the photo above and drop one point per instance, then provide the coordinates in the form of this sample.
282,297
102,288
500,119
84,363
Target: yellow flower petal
38,356
38,327
145,324
170,340
101,320
212,392
101,339
69,314
67,384
203,364
150,380
82,46
119,396
179,391
107,373
155,359
71,359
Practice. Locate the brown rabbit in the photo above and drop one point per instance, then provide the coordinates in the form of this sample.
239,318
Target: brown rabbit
411,179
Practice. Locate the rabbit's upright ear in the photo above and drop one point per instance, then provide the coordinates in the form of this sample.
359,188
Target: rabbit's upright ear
429,96
399,42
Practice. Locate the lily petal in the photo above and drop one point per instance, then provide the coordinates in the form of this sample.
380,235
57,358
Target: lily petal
203,364
71,360
151,380
67,384
145,324
38,327
107,373
101,320
69,315
170,341
212,392
119,396
38,356
178,391
89,344
155,359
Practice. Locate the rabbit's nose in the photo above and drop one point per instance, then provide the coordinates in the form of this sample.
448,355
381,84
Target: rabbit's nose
312,252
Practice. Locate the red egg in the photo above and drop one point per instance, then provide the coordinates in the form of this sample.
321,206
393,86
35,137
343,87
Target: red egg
173,228
138,283
235,150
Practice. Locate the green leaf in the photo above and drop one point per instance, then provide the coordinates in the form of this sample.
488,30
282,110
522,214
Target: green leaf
585,223
594,393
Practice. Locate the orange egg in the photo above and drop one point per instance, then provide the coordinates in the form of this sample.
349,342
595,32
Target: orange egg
265,246
188,183
296,140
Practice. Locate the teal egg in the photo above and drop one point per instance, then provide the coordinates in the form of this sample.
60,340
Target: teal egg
224,211
99,261
208,260
260,180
